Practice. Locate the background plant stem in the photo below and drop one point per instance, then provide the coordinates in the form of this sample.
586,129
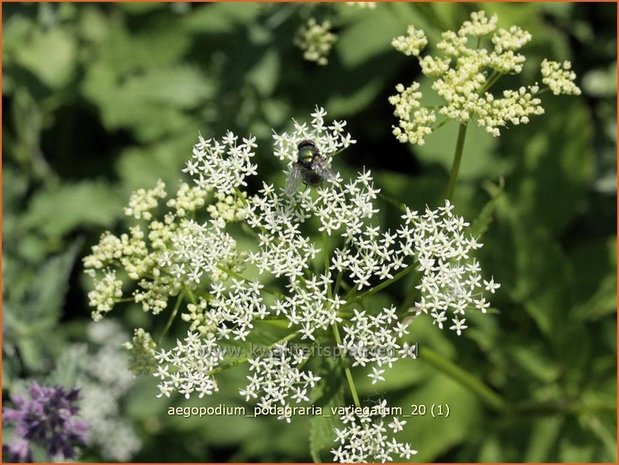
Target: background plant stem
487,395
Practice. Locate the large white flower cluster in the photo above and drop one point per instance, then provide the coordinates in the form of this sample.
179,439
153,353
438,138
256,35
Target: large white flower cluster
473,59
305,260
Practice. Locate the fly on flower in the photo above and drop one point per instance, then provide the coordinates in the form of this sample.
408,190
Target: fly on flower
310,168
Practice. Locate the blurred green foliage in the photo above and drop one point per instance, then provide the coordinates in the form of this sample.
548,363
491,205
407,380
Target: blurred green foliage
100,99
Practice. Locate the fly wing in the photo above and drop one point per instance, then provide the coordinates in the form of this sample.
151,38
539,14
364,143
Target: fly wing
320,166
294,180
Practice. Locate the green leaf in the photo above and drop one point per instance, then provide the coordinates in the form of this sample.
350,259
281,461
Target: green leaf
265,74
555,166
58,211
52,281
374,31
154,102
596,265
433,436
217,18
50,55
128,50
486,215
139,166
68,367
544,435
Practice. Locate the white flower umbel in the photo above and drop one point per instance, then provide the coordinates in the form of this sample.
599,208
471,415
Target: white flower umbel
307,305
222,166
197,249
187,367
375,339
559,77
241,259
329,138
412,43
451,281
316,41
284,249
143,201
365,438
105,294
473,59
232,309
277,378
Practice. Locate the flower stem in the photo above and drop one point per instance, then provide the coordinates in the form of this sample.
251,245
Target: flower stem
487,395
378,287
172,315
455,167
327,260
245,359
236,275
349,378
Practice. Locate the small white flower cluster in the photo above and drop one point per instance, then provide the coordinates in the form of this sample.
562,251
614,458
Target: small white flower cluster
187,368
222,166
283,249
143,201
276,378
329,139
103,381
559,77
233,310
480,25
143,254
374,339
415,120
142,351
450,277
197,249
316,41
308,305
464,76
343,208
367,439
105,294
229,208
412,43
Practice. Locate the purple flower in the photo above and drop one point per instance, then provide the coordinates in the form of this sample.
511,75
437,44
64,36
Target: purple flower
48,419
17,451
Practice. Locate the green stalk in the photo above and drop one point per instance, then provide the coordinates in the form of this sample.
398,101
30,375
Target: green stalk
349,378
487,395
236,275
327,259
455,167
177,305
245,359
377,288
